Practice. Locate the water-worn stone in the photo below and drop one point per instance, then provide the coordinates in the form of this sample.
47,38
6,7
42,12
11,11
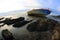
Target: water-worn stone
21,23
10,21
7,35
43,25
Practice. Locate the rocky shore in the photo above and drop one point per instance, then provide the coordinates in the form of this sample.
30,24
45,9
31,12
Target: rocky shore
41,29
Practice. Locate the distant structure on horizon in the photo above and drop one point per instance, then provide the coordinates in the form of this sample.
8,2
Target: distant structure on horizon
39,12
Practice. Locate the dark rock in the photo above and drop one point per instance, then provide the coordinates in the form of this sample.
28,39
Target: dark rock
7,35
39,12
12,21
21,23
32,27
9,21
42,26
1,18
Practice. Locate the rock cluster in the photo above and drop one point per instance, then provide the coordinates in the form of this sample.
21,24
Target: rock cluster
10,21
7,35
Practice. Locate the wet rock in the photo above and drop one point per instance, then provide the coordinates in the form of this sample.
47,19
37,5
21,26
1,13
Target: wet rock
32,27
21,23
42,26
1,18
7,35
10,21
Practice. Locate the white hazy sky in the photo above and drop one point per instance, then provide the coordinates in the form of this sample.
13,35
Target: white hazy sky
10,5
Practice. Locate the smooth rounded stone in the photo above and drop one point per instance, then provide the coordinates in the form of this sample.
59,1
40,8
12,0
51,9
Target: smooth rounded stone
43,25
7,35
48,25
21,23
10,21
32,27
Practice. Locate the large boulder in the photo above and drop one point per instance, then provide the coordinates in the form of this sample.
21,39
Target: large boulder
42,25
39,12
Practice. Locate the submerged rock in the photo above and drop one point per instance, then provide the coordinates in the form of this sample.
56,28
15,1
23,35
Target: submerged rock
7,35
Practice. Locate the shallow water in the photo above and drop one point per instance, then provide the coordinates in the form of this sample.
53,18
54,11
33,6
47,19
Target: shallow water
17,32
21,31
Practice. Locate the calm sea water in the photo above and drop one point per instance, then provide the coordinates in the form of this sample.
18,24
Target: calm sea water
17,32
20,32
